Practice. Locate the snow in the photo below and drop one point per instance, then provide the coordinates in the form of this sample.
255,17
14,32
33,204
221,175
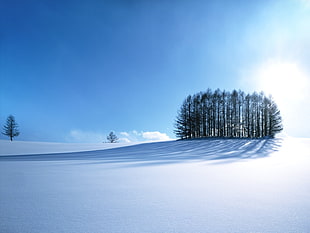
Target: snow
24,147
228,185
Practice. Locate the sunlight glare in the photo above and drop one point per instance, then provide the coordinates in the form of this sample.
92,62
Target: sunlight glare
289,85
283,80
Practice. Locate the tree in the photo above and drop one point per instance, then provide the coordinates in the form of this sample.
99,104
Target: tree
185,120
181,126
228,114
10,129
275,119
112,138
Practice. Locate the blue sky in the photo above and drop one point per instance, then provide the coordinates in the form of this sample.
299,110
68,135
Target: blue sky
72,71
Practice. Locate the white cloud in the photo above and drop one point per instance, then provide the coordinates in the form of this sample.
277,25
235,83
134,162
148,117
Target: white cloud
81,136
135,132
124,134
155,136
124,140
135,136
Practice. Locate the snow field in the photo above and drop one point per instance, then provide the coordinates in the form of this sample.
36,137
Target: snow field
181,186
22,148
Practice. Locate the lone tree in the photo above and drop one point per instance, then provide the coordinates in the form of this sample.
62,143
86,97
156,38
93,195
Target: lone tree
10,129
112,138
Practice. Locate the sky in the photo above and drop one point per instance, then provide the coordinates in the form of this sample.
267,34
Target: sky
72,71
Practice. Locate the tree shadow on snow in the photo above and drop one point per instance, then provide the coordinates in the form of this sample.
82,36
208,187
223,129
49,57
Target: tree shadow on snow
159,153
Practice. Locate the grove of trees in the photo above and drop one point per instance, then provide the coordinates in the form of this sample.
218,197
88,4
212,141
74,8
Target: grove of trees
228,114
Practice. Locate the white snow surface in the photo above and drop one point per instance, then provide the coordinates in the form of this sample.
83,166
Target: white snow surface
23,147
212,185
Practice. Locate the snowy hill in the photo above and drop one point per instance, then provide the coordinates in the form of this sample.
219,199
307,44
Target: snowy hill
24,147
231,185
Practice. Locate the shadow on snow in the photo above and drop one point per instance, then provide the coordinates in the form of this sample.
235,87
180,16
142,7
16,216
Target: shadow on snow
167,152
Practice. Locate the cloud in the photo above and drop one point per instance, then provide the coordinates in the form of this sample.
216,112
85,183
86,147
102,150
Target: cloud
124,140
155,136
135,136
81,136
135,132
124,134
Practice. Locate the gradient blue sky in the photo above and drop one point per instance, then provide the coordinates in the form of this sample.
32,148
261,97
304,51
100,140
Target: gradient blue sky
72,71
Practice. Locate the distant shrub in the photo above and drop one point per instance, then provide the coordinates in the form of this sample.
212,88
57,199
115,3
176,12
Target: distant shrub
112,138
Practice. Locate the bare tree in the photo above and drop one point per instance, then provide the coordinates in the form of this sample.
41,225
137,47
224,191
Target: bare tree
10,128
